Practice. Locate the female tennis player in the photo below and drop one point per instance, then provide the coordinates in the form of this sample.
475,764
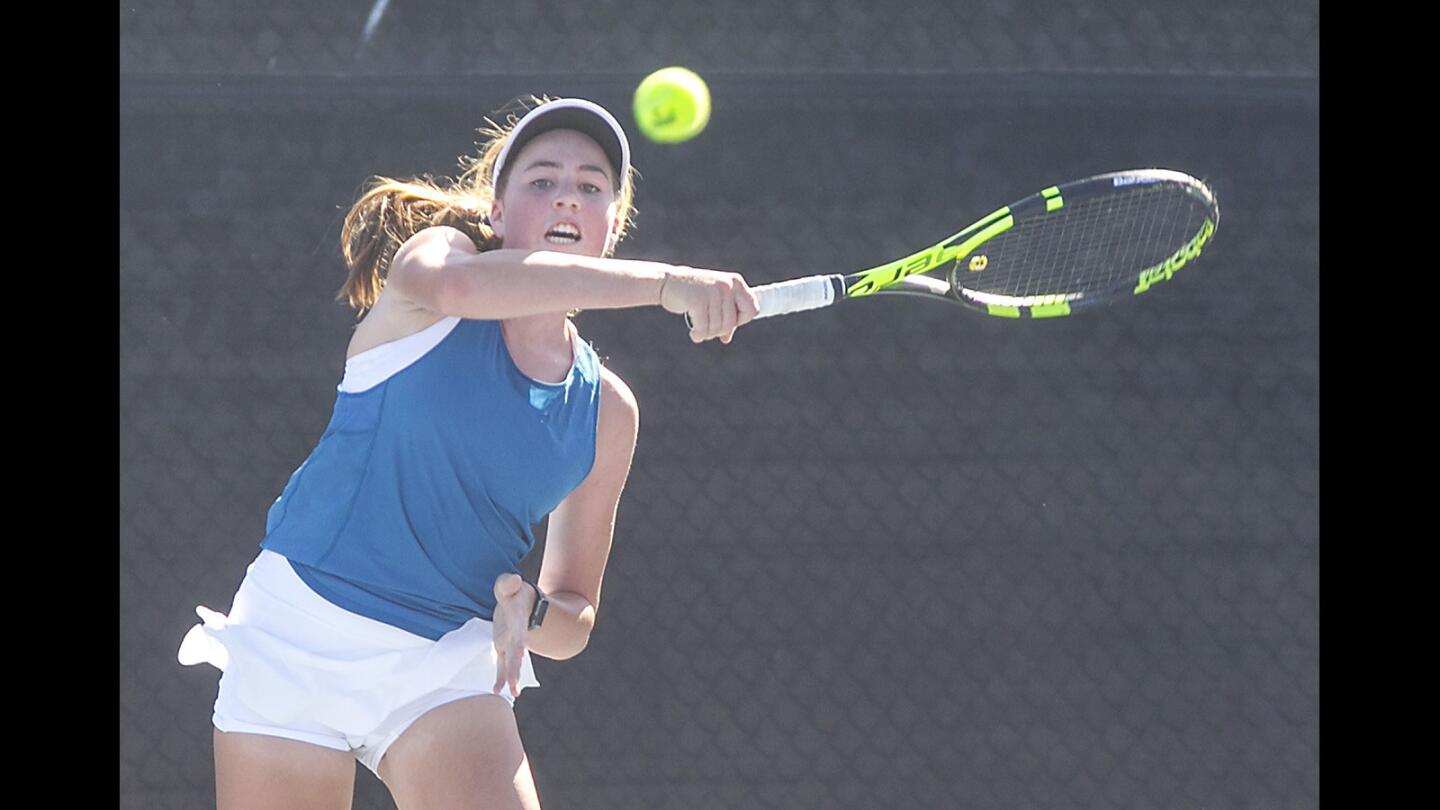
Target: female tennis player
384,619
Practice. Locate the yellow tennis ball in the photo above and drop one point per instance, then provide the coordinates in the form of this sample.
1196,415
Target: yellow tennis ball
672,105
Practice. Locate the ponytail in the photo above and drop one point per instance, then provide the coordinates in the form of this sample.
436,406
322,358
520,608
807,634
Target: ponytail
387,214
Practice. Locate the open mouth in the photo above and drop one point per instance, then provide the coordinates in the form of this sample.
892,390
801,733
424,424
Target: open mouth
563,234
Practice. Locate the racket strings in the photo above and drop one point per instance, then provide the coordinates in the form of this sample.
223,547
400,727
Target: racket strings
1086,246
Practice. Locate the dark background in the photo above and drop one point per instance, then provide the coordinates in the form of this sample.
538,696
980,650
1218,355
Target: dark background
892,554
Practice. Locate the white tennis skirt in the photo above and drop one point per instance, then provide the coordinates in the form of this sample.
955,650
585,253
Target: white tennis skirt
298,666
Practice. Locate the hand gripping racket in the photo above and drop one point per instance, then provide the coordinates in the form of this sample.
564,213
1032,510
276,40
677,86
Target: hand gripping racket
1070,246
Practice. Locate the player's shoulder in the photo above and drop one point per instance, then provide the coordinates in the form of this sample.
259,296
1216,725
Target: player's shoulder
618,405
615,389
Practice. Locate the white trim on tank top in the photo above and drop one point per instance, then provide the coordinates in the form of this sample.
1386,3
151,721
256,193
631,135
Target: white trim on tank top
374,366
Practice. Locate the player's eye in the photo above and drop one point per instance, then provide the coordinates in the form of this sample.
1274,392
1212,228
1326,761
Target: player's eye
542,182
589,188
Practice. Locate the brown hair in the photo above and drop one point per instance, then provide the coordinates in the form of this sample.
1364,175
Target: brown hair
391,211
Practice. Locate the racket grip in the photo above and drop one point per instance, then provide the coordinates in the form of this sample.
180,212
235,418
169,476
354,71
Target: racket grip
797,295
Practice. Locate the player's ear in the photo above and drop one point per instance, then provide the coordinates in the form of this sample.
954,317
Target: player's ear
617,222
496,220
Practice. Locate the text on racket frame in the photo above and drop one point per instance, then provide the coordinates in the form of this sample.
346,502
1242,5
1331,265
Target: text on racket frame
1164,270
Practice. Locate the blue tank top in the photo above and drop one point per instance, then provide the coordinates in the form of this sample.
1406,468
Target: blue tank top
425,488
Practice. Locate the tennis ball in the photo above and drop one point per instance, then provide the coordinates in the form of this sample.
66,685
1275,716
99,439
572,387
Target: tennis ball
672,105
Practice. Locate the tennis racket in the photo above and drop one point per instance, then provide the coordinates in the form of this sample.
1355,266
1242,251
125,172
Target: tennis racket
1070,246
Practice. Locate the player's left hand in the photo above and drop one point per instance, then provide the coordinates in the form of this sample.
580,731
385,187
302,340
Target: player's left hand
514,599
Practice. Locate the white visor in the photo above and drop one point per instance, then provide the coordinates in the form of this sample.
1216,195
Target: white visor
570,113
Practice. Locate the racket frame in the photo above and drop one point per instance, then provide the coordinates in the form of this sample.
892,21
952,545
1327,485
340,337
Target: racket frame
906,275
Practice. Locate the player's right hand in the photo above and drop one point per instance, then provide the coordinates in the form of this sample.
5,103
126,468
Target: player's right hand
714,303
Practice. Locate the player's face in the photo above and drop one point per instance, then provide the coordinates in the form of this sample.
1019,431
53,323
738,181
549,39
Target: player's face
560,194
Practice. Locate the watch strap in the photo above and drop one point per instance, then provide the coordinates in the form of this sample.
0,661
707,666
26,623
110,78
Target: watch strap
542,604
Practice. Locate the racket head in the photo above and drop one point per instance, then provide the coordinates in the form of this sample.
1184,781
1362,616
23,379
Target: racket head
1084,243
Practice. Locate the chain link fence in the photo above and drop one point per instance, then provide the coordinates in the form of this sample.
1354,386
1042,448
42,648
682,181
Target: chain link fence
887,555
462,37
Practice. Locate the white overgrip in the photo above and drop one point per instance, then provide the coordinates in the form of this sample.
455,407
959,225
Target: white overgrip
795,295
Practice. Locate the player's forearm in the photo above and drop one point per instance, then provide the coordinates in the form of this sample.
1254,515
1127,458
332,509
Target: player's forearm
516,283
566,628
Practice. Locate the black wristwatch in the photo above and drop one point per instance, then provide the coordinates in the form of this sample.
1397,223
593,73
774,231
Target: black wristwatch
542,604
